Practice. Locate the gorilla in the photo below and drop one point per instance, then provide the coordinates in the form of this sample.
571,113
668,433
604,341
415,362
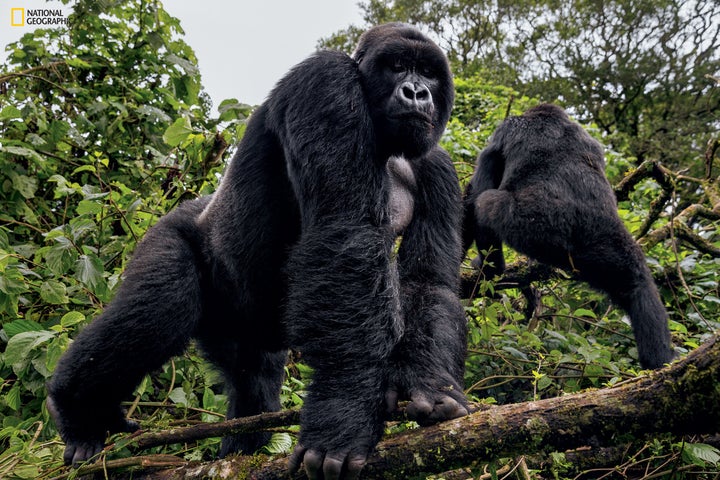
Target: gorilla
540,187
335,231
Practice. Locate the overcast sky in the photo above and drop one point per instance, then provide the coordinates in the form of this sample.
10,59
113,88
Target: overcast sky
244,46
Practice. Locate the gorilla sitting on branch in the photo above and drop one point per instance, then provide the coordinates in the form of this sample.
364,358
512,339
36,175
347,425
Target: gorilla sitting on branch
296,249
540,187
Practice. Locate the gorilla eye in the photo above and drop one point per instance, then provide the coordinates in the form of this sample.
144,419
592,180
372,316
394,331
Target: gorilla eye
426,71
397,67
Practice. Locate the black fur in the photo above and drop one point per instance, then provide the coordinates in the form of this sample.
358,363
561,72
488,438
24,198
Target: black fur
540,187
296,249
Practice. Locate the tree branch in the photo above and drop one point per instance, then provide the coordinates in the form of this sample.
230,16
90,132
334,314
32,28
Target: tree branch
681,399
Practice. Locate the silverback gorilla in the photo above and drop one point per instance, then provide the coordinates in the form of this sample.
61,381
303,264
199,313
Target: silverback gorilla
296,249
540,187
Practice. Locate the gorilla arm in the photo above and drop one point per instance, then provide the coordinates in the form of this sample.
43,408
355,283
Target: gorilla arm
487,176
428,364
342,304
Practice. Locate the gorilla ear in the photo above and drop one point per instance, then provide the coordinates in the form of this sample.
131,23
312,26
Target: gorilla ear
358,55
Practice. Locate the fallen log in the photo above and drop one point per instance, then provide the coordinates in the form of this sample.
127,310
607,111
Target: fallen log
683,398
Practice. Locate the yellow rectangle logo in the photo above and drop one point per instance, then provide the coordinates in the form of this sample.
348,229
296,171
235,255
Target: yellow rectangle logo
17,17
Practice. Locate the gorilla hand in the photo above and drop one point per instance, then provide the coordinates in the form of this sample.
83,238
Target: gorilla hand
81,446
337,436
345,464
430,402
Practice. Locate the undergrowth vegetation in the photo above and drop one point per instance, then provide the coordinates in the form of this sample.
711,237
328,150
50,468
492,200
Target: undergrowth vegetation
104,127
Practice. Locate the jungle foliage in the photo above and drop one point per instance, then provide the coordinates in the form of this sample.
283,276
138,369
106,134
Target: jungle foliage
104,127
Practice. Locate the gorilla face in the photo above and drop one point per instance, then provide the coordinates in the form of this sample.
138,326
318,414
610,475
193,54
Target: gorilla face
407,81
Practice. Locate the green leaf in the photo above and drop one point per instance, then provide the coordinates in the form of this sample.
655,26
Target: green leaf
23,152
81,226
25,185
59,257
584,312
21,325
177,132
88,207
85,168
21,346
10,112
77,63
186,65
88,270
231,109
26,471
544,382
12,281
54,292
71,318
279,443
55,350
515,352
13,398
701,454
178,396
208,399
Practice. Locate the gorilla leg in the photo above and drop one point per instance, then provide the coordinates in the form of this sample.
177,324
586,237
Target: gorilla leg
616,265
530,222
493,210
152,317
253,379
252,391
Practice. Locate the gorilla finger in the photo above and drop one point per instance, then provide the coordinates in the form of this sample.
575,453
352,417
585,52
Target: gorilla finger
447,408
84,452
69,454
296,458
332,466
313,464
419,407
460,398
391,400
355,464
130,426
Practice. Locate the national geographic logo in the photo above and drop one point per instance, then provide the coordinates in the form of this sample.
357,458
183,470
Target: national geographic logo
20,17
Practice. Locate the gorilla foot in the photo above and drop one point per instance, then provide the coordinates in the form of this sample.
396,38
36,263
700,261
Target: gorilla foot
344,465
246,443
85,437
80,452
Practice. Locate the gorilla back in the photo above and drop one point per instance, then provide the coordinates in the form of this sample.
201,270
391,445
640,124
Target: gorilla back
540,187
295,249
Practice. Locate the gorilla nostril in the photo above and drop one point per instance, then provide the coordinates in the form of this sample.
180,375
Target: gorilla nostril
408,91
415,94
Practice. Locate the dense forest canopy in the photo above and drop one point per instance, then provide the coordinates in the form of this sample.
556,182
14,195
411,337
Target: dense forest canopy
104,127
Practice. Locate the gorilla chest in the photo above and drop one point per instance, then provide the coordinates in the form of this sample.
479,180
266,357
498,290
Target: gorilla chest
401,197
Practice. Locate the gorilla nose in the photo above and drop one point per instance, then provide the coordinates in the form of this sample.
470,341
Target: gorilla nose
415,95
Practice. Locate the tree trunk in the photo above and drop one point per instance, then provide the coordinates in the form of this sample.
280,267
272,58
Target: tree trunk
681,399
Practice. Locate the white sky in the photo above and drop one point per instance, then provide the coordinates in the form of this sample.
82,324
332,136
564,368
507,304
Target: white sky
243,47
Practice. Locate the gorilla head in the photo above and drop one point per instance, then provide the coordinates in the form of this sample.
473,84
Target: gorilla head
408,85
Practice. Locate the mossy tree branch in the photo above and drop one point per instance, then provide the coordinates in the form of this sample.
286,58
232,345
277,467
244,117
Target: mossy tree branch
681,399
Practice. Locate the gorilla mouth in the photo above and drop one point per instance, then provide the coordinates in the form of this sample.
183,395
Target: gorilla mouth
413,115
